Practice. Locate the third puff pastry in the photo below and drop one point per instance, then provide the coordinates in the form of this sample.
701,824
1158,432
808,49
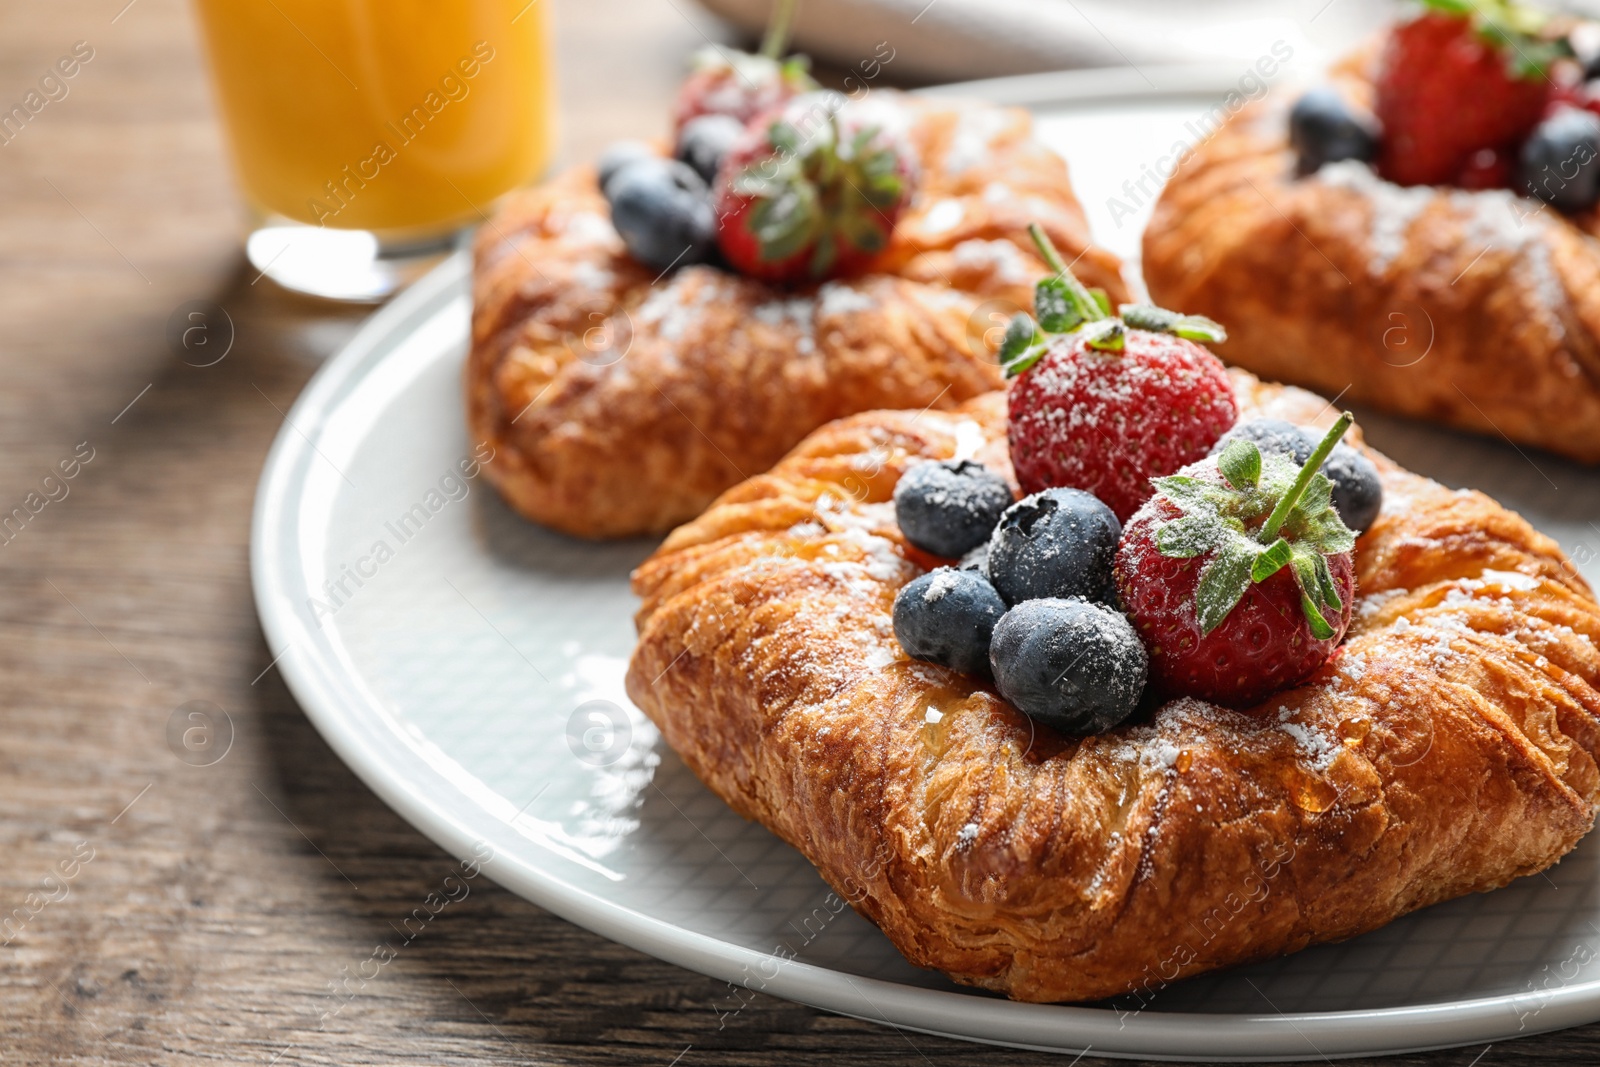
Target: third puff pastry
1477,309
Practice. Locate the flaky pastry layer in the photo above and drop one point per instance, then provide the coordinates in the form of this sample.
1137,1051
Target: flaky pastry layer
619,402
1479,310
1449,747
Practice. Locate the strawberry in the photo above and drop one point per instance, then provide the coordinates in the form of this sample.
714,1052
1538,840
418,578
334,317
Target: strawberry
1489,168
727,82
1238,574
739,84
1114,402
813,190
1461,78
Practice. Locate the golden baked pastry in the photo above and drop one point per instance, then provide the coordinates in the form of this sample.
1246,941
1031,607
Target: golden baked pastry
1480,310
1449,747
620,403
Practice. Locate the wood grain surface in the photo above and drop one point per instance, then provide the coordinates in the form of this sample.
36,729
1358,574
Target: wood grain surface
208,909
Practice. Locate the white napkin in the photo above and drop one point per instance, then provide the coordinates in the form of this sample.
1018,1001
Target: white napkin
958,40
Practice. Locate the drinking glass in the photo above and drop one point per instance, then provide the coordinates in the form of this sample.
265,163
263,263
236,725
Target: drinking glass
367,135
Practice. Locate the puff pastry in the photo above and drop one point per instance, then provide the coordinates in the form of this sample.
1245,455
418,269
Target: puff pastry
1480,310
618,403
1449,747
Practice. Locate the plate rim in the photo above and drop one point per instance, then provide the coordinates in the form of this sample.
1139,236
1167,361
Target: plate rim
451,819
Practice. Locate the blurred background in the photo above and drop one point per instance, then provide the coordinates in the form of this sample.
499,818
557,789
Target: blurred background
221,901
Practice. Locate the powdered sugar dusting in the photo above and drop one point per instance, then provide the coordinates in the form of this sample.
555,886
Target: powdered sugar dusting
998,257
589,228
1318,749
969,438
944,580
1511,580
673,309
944,215
1370,605
590,276
1394,208
837,298
976,132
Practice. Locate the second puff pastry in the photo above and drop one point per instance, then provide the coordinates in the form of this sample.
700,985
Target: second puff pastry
618,403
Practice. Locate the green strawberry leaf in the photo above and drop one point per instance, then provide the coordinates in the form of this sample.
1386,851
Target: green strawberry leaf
1318,497
1105,335
1190,536
1320,628
1305,576
1240,463
1328,590
1021,347
1199,328
1271,560
1223,583
1190,493
1054,306
1102,300
1160,320
1148,317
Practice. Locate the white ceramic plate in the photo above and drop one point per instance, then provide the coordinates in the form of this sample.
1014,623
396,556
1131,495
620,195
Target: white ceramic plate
473,678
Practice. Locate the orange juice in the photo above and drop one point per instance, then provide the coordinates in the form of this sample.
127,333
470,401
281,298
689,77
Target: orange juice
398,116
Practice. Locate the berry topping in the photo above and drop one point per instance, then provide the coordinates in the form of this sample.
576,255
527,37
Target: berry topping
726,82
1357,490
1058,543
946,617
659,207
1324,128
1560,163
1239,573
813,190
950,507
1489,168
1075,666
1465,76
1104,404
703,142
619,155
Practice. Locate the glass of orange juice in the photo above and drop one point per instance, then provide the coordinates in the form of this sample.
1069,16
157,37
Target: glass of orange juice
369,134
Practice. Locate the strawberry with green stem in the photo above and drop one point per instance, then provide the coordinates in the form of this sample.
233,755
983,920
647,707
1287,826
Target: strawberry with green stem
1239,574
742,85
1461,86
812,191
1105,402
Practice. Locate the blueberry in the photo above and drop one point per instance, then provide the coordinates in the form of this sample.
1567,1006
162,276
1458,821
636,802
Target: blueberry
949,507
977,560
1560,162
1271,435
946,617
703,142
1075,666
662,210
1058,543
618,155
1357,492
1324,129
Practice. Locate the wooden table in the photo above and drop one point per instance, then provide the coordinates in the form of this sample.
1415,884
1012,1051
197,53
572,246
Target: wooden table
210,908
